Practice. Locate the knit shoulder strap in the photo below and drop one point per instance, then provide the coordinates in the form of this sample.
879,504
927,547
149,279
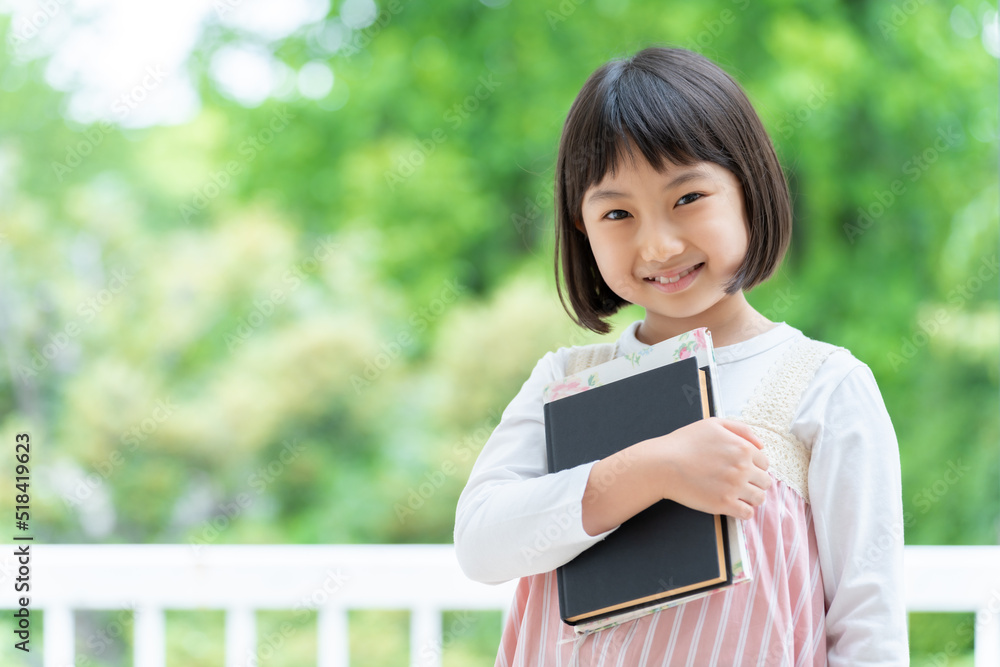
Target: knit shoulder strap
589,356
772,408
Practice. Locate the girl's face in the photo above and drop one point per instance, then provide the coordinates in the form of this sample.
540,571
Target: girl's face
670,242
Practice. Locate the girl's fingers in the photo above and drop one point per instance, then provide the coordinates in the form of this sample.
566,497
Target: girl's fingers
754,496
742,430
744,512
761,480
760,460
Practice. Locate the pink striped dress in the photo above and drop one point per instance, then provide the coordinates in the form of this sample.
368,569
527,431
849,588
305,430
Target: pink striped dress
777,618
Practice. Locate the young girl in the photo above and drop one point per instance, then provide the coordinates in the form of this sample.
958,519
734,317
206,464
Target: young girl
669,195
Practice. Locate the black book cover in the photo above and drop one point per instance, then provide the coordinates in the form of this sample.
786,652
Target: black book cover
666,551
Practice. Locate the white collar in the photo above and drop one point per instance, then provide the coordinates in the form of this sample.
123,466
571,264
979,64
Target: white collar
782,332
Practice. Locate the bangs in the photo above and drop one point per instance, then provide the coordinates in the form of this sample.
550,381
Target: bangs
633,112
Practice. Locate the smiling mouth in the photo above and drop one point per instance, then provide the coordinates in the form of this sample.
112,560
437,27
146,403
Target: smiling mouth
664,280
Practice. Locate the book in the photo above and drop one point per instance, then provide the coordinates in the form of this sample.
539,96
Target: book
667,554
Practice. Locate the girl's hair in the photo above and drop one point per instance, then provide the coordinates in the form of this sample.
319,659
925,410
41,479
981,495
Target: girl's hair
676,107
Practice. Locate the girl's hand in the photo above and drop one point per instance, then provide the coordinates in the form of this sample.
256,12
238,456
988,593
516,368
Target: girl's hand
714,465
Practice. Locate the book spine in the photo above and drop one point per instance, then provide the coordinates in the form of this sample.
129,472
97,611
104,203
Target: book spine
548,438
713,387
561,590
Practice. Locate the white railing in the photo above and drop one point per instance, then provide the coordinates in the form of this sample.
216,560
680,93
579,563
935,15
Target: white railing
424,579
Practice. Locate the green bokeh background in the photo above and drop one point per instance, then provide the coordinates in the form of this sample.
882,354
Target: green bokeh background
372,284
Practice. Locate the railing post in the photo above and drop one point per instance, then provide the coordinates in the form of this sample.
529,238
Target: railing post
425,637
333,647
241,637
59,644
987,638
150,637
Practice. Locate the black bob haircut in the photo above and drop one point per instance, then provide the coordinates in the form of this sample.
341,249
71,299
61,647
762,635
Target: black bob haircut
676,107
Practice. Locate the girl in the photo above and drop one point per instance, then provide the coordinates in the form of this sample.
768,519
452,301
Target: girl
669,195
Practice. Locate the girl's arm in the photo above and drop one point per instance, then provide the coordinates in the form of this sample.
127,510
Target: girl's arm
714,465
513,519
856,497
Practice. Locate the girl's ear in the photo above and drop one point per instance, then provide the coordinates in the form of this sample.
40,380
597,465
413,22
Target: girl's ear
579,225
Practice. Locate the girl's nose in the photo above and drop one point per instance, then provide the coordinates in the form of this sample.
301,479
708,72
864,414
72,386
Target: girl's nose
659,242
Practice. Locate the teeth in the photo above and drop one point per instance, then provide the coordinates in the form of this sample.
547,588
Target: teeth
666,281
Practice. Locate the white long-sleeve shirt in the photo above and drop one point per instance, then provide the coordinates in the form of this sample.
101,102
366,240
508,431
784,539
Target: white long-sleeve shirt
514,519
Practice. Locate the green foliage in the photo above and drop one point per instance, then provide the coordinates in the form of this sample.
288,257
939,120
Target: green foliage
373,283
942,639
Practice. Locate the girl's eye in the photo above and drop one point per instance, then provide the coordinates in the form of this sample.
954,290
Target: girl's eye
688,198
617,214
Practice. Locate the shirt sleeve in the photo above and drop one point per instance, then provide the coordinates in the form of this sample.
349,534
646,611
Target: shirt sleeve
856,497
514,518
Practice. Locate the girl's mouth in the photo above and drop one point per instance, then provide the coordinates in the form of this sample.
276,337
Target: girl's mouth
676,282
